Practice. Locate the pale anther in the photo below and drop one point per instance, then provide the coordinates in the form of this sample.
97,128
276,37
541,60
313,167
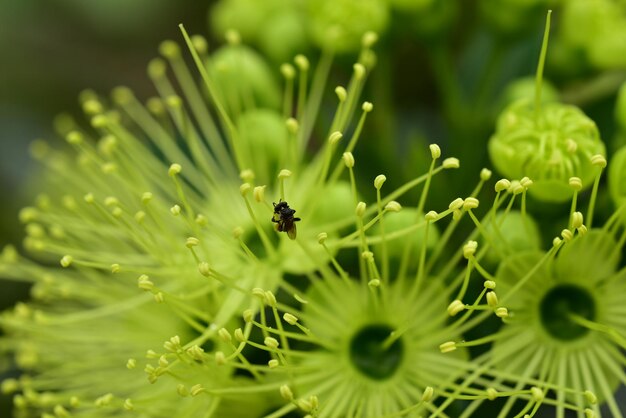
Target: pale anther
431,216
492,299
321,237
302,62
270,298
292,126
367,107
451,163
247,175
598,160
492,394
369,39
577,219
489,284
360,209
502,185
348,159
576,183
447,347
244,189
288,71
128,405
502,312
196,352
195,390
66,261
259,193
591,397
428,394
248,315
286,393
379,181
455,307
335,137
537,394
284,173
192,242
526,182
204,268
239,335
469,249
341,93
435,151
567,235
456,204
359,71
290,319
485,174
224,335
393,206
470,203
271,342
220,358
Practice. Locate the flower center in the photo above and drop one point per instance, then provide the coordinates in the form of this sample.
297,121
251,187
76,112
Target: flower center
559,304
371,356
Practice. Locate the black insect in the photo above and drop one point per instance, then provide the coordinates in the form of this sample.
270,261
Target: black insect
284,219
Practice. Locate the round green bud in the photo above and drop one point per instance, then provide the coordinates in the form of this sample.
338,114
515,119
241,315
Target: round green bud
340,24
549,148
238,71
264,133
283,35
244,16
518,232
524,88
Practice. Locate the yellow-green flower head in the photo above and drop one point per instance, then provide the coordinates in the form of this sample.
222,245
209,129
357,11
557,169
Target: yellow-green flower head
374,339
563,330
566,323
166,210
597,29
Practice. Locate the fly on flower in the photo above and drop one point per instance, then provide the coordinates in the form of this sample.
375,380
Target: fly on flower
284,219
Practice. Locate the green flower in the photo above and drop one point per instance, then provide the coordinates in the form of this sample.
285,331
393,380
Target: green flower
548,142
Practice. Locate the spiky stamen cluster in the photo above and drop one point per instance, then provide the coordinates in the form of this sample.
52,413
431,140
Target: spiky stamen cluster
563,331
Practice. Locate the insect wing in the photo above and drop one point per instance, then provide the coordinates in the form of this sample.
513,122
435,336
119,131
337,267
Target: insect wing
292,231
